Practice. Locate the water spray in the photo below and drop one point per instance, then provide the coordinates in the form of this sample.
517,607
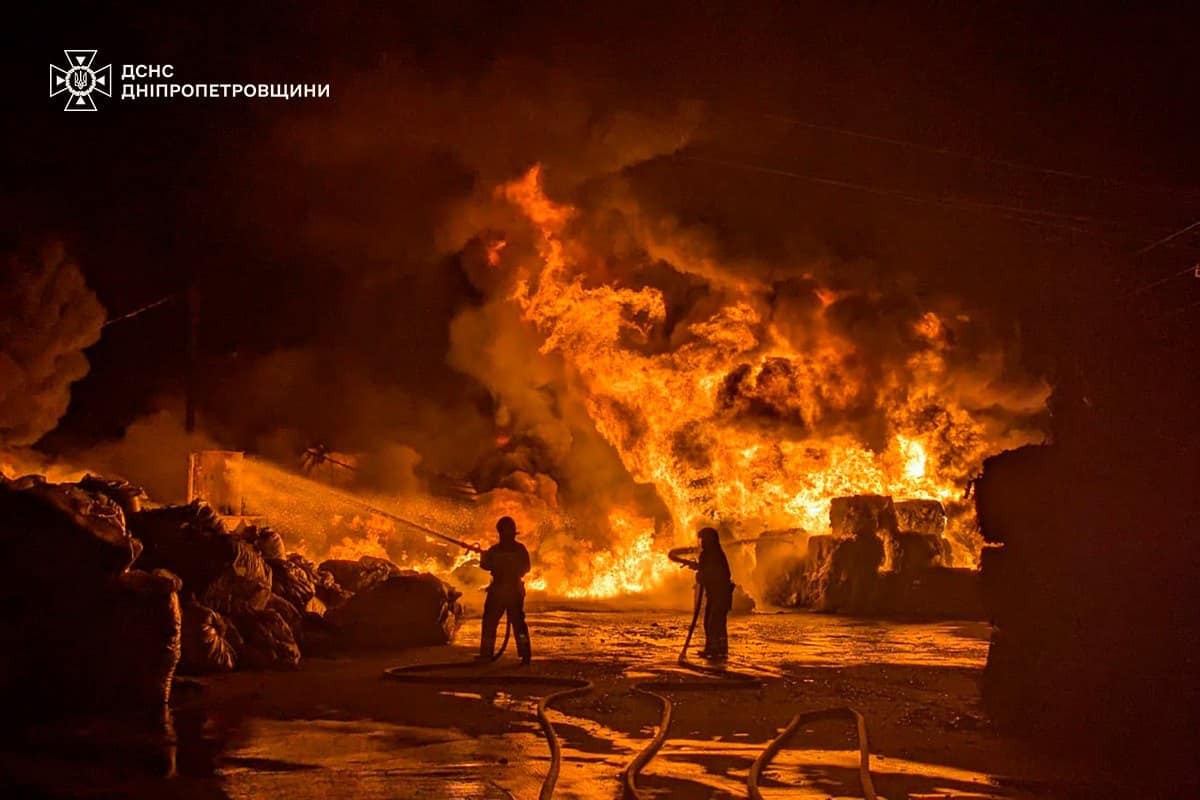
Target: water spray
319,454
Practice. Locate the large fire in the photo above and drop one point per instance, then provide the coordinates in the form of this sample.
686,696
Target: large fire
742,411
729,416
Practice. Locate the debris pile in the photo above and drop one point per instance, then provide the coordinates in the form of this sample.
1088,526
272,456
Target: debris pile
83,630
106,597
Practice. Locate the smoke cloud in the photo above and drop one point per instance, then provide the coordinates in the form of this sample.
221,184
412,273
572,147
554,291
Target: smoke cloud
48,317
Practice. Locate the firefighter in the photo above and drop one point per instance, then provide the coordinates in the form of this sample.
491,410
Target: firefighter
508,561
712,574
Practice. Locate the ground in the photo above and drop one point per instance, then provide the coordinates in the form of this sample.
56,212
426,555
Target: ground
335,728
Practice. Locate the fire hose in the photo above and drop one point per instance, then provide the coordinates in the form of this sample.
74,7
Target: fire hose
428,674
568,687
729,679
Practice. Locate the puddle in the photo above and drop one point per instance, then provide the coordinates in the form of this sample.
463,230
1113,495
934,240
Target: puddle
336,729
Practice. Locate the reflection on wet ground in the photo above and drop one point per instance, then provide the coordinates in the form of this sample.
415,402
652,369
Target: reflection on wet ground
334,729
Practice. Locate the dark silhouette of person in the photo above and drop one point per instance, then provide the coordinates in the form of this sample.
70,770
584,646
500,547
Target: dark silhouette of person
508,561
712,574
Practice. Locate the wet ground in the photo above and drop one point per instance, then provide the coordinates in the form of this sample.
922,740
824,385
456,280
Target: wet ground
336,729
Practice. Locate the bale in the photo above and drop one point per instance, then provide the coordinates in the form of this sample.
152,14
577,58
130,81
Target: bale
80,632
266,541
113,649
921,516
210,642
862,515
359,576
403,611
128,496
244,585
61,535
187,540
842,574
291,615
328,591
914,552
268,641
138,622
292,580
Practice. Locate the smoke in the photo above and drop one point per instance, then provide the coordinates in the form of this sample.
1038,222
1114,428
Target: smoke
824,377
419,359
48,317
152,453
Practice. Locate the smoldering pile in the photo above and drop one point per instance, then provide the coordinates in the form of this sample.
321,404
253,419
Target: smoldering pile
106,598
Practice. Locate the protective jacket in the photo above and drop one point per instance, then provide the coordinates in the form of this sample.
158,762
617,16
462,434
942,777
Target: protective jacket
508,562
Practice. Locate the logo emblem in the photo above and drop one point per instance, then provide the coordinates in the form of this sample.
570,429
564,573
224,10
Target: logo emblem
79,80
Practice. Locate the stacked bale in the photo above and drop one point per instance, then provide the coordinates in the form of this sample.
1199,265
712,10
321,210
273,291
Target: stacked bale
81,632
841,570
919,543
94,619
882,558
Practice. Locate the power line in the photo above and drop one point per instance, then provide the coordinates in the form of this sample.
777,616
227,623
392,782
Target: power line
1163,280
1067,221
1173,275
140,310
946,151
1166,239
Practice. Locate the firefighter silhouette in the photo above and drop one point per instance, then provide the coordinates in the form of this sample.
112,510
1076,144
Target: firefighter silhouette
508,561
712,574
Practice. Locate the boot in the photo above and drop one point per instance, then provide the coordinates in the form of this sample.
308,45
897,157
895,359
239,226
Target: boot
524,649
487,646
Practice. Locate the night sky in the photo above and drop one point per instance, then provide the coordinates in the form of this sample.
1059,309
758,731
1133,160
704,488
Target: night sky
1015,155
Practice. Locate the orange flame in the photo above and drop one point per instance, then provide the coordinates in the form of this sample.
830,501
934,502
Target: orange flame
672,425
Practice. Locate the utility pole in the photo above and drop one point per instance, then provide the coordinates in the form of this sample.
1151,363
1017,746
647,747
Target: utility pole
193,365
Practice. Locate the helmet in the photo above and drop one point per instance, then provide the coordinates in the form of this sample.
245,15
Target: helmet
506,527
708,537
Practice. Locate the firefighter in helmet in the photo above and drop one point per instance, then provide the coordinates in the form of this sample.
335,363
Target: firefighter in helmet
713,576
508,561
